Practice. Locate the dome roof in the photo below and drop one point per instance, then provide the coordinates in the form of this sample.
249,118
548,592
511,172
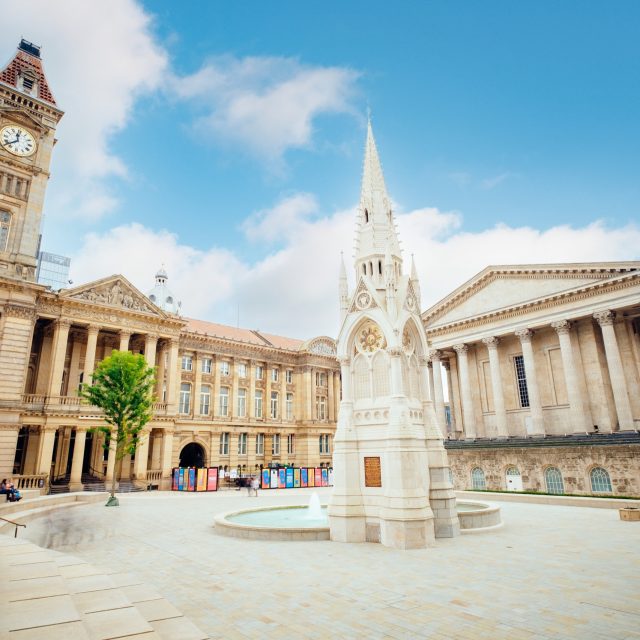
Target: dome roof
161,295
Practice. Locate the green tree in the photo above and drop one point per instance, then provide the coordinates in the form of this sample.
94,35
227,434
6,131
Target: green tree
123,388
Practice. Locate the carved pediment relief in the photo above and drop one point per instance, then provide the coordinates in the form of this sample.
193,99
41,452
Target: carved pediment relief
114,292
20,116
322,346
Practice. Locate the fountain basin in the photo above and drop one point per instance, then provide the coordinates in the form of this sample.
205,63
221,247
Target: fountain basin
292,522
273,523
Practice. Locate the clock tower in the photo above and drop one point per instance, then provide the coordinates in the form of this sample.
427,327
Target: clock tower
28,119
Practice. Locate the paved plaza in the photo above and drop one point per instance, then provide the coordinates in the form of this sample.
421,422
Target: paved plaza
550,572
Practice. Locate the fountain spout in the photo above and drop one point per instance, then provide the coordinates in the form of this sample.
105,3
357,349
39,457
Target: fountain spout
314,511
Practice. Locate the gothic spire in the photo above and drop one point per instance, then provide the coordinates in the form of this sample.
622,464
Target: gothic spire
376,234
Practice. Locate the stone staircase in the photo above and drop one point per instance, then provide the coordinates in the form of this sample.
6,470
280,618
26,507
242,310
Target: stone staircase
48,594
91,483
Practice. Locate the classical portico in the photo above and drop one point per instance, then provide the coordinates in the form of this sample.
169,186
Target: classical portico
539,350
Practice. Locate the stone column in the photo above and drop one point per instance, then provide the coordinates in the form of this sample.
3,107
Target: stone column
535,404
330,399
150,346
173,377
167,454
468,414
496,384
142,456
447,367
233,395
616,372
430,381
90,354
45,453
576,406
111,460
308,401
283,393
197,384
75,481
60,337
437,390
251,395
336,393
124,340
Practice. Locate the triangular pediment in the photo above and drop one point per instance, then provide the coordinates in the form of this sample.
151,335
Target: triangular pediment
496,289
365,297
114,291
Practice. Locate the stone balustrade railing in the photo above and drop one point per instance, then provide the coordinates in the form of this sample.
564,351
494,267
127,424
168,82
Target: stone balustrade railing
154,475
34,481
74,404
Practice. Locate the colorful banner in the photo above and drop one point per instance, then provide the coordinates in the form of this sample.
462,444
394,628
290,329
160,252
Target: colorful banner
318,479
311,478
331,477
176,477
303,478
289,478
181,480
325,477
212,479
274,478
192,480
296,477
266,479
282,478
202,480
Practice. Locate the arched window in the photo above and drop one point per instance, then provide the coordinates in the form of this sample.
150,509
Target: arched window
380,267
553,480
361,386
600,480
371,268
366,215
477,479
5,224
380,368
414,378
364,268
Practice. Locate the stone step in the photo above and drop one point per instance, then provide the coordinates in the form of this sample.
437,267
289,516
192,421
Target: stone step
58,596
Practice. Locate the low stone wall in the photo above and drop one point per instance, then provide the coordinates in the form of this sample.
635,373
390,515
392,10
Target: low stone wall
622,462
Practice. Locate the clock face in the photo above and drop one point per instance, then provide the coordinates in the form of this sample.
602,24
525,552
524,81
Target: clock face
17,141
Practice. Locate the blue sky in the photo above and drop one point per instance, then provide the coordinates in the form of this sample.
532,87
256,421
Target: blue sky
226,139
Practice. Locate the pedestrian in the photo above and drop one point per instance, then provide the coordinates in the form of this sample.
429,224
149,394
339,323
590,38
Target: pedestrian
255,485
249,484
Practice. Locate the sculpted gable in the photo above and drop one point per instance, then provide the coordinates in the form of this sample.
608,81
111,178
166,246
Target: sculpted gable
115,291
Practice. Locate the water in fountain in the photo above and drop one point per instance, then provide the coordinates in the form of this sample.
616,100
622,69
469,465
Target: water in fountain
314,511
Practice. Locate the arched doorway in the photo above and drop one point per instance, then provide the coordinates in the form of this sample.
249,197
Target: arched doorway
192,456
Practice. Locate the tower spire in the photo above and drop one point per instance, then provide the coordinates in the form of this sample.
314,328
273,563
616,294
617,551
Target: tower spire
376,234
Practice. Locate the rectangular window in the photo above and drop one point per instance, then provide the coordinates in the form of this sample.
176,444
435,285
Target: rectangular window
259,372
224,401
224,444
521,377
257,404
289,406
321,407
289,376
274,375
242,444
260,444
185,398
274,405
187,363
242,403
275,445
324,444
164,392
206,365
321,379
242,370
224,368
5,224
205,399
291,444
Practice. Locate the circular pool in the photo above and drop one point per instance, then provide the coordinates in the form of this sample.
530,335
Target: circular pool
297,523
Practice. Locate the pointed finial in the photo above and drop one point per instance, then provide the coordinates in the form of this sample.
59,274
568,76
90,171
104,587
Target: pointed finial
414,271
368,113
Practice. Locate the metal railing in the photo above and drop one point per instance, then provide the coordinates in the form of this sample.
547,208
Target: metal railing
17,524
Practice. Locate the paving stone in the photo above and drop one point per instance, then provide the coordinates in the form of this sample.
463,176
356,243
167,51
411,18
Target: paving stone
66,631
40,612
116,623
93,601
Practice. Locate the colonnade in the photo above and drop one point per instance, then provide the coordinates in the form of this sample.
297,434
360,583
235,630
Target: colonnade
581,421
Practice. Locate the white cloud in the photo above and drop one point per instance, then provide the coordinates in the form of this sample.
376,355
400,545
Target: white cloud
267,104
293,291
99,58
492,183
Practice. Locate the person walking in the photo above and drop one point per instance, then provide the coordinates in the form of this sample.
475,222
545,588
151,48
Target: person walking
255,485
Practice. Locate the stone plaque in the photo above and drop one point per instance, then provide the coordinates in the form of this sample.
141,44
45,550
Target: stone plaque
372,475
